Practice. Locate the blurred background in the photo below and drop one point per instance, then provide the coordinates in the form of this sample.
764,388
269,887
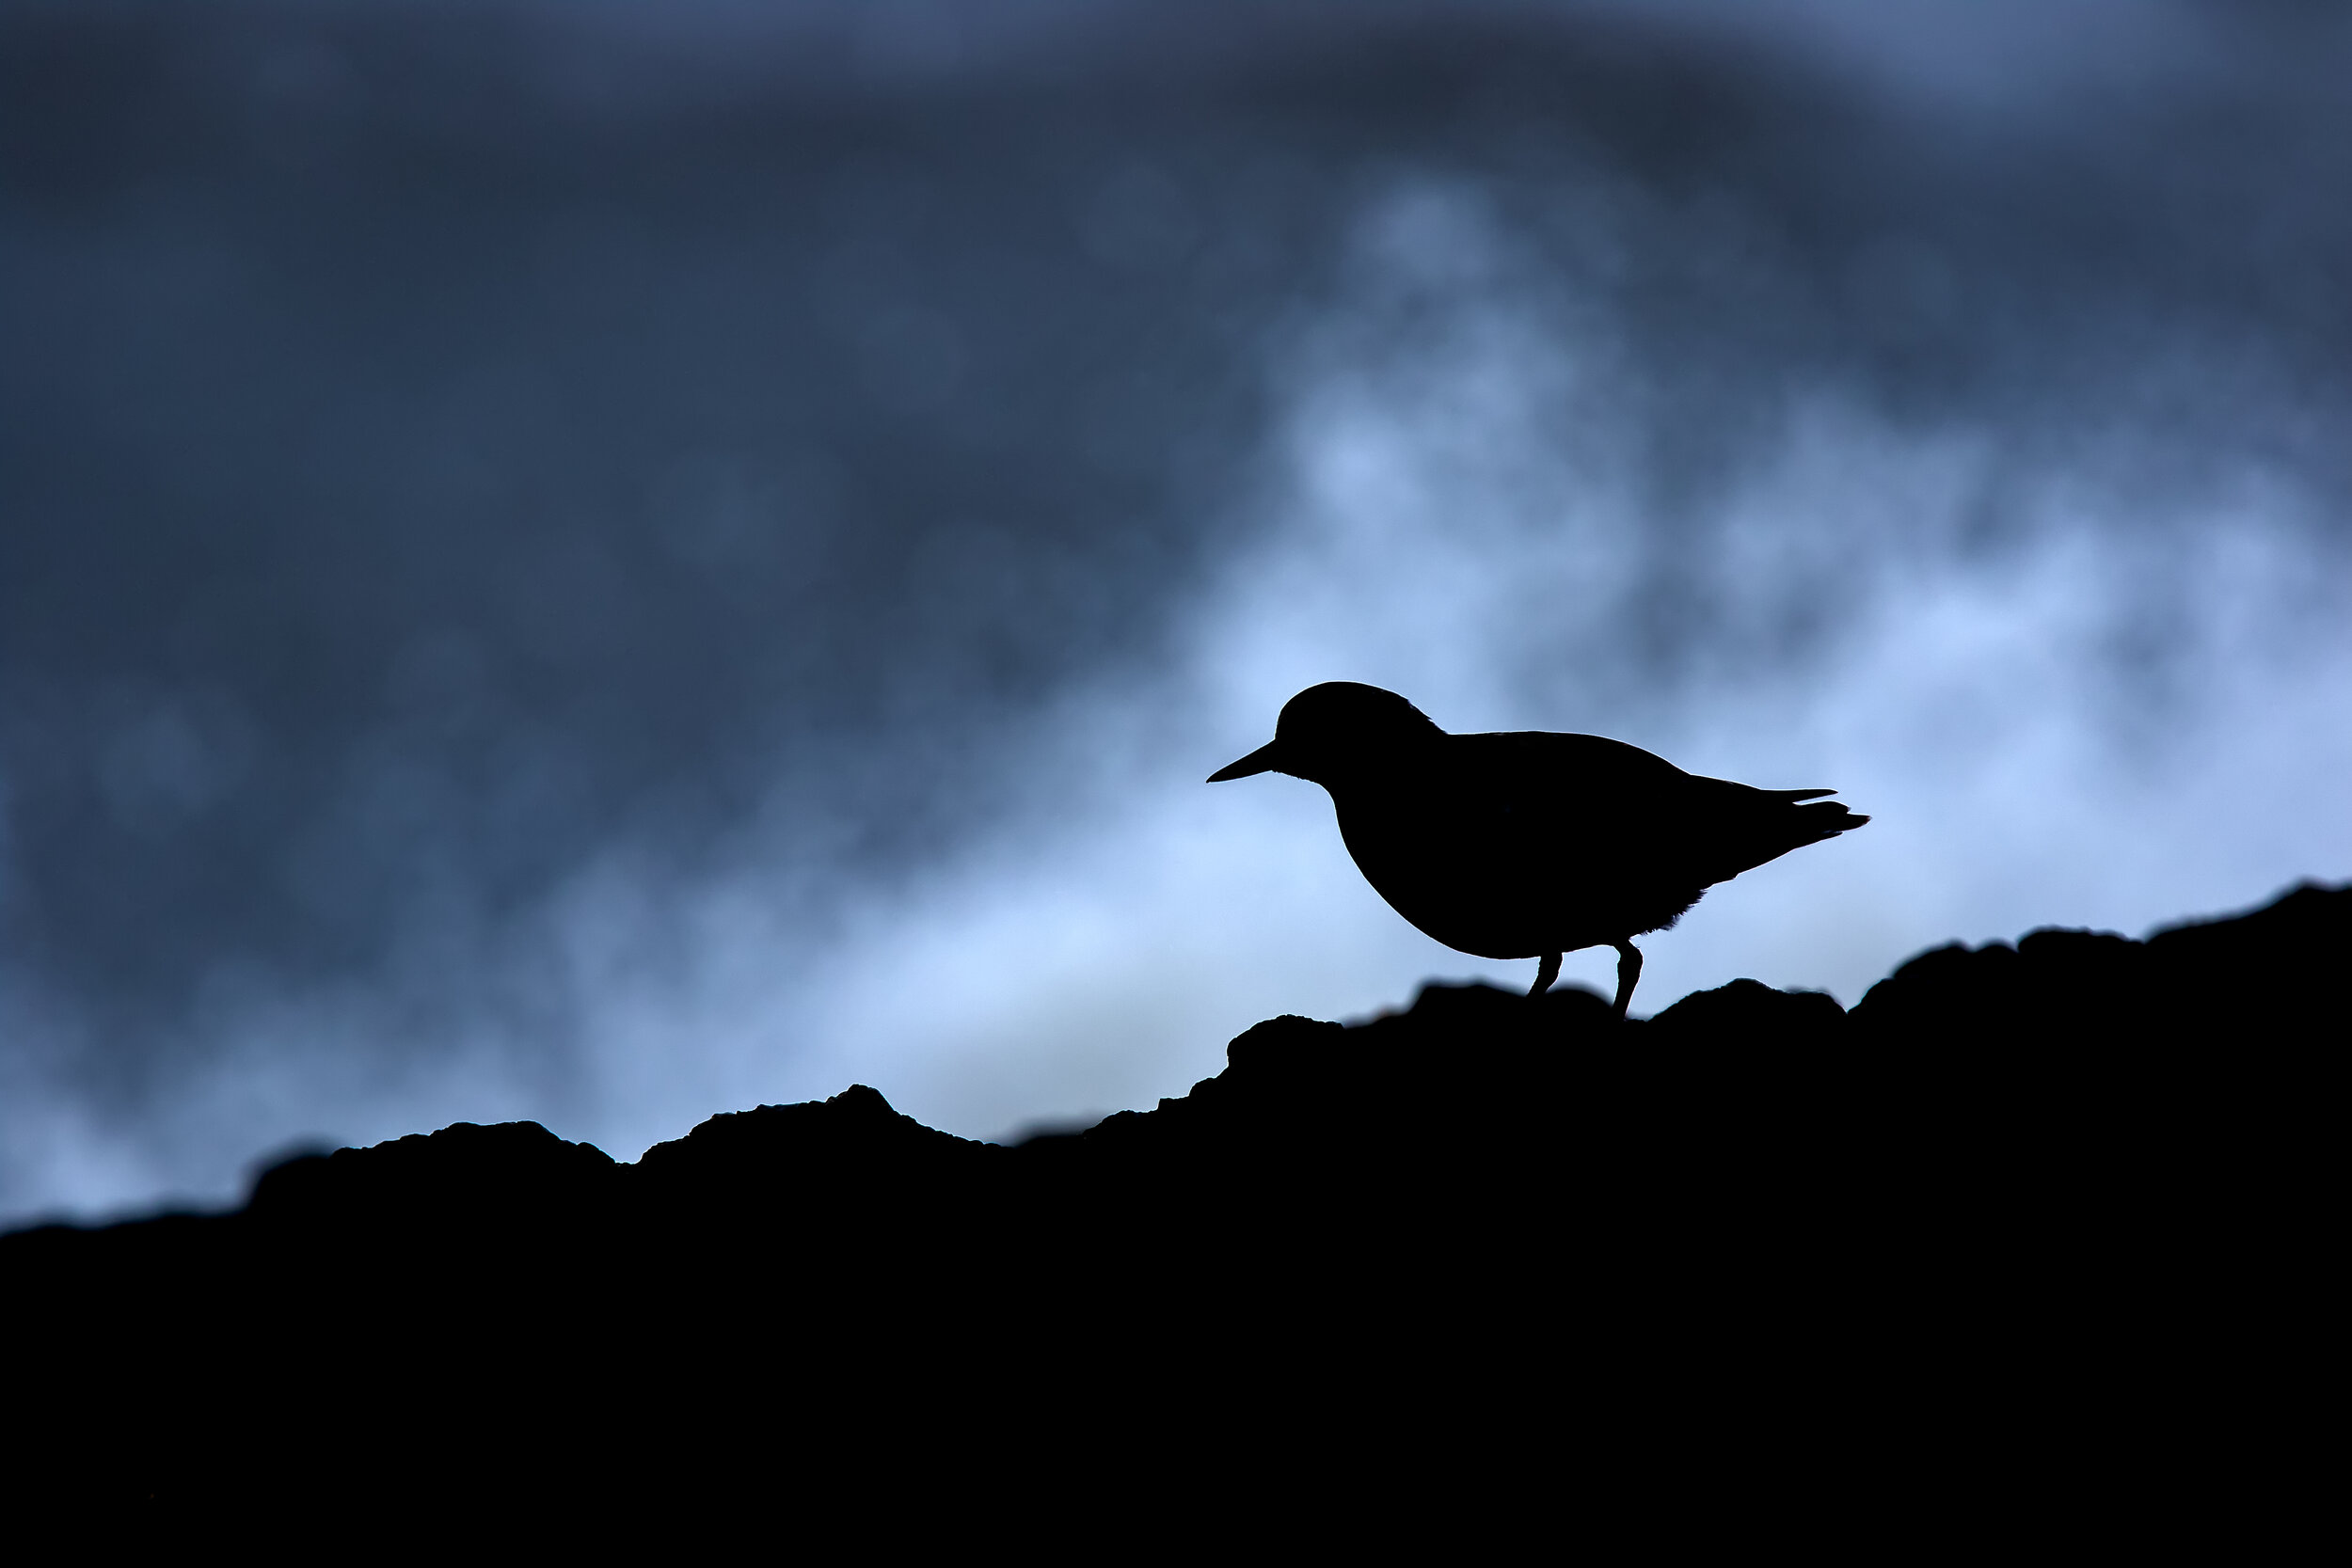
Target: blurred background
609,562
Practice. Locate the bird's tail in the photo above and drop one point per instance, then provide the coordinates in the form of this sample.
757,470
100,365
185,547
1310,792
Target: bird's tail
1759,825
1817,822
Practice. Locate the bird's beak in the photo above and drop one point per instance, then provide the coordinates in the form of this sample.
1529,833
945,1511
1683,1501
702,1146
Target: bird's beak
1264,760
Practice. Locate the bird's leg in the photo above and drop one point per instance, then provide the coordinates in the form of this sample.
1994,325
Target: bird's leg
1628,974
1546,973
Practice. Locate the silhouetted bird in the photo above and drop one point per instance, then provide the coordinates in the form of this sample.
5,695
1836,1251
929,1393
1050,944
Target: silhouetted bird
1528,844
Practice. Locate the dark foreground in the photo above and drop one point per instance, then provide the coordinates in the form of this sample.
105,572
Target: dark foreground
2039,1233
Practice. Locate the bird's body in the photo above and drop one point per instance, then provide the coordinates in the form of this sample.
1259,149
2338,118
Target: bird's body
1529,844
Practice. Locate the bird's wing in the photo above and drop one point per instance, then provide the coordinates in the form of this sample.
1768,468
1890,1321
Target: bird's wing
1551,787
1549,766
1610,808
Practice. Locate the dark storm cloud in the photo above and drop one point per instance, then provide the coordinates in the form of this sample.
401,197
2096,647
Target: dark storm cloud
441,449
473,485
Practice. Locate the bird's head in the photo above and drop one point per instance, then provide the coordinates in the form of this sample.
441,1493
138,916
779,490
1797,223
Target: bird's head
1331,731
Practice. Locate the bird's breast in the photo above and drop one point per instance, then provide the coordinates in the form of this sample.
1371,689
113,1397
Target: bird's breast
1448,866
1485,873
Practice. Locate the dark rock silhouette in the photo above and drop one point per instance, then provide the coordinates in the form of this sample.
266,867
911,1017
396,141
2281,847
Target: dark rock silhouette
1527,845
2067,1191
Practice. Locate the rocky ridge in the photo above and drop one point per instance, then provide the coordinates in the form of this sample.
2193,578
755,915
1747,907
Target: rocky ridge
2005,1166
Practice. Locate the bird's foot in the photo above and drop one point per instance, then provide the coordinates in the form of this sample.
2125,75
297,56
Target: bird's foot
1546,973
1628,974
